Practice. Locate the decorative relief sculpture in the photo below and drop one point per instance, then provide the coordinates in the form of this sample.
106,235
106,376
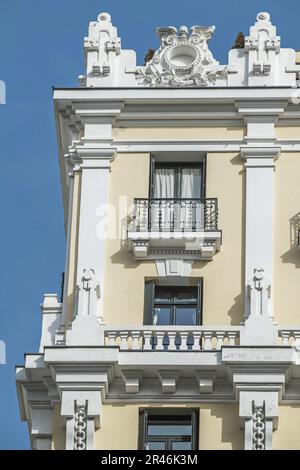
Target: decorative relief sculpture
88,294
80,427
259,426
259,291
183,59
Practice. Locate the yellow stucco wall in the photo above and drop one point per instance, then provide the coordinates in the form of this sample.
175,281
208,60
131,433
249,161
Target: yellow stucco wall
287,436
125,277
219,427
286,252
59,432
287,132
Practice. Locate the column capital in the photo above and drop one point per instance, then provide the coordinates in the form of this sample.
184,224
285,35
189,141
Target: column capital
263,155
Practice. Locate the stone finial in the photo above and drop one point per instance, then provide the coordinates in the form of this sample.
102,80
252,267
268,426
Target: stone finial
106,62
262,62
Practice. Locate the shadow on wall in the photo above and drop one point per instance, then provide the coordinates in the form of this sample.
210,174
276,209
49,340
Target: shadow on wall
292,256
230,425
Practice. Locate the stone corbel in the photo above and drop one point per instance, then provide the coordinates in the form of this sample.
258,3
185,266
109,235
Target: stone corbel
205,380
132,380
168,380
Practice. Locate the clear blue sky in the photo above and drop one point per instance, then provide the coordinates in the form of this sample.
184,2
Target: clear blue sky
40,47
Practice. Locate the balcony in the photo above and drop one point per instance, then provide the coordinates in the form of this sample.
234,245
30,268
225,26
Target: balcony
172,338
180,228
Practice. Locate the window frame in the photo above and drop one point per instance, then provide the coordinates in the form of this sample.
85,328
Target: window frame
149,300
174,302
201,163
172,413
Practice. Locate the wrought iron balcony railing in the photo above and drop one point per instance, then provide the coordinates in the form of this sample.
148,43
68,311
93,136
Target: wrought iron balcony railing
174,215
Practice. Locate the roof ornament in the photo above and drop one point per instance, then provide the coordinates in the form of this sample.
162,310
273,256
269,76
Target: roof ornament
183,59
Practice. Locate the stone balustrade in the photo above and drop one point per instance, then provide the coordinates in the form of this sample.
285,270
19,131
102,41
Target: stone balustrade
289,336
172,338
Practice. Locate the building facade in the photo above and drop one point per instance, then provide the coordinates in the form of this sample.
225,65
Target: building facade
178,326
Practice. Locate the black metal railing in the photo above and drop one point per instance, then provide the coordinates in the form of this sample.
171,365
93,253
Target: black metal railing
174,215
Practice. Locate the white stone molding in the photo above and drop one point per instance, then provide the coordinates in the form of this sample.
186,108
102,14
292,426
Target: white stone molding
183,59
37,409
106,62
51,319
173,267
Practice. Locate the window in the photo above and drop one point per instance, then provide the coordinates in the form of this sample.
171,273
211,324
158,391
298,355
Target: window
172,429
177,180
176,192
173,305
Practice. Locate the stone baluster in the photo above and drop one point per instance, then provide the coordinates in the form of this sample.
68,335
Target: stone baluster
207,340
136,339
232,337
172,338
197,337
124,340
112,336
160,338
285,335
220,339
184,336
147,346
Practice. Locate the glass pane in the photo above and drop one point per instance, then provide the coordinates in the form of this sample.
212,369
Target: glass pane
155,445
162,316
162,294
169,430
186,316
179,445
187,295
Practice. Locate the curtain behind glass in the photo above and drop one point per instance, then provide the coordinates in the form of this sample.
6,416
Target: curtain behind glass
162,212
191,212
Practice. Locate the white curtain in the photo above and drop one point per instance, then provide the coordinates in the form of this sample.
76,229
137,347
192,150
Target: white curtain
162,213
182,215
164,183
191,212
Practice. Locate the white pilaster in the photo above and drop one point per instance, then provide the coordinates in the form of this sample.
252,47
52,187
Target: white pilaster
259,152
